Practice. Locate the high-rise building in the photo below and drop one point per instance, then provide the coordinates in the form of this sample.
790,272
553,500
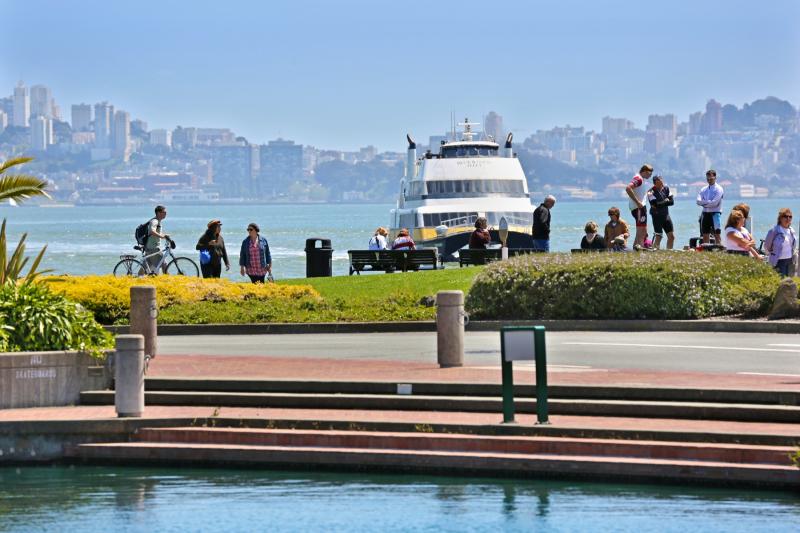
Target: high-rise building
234,169
281,165
41,133
712,119
616,127
41,101
666,123
81,117
22,106
122,135
103,117
3,121
695,123
493,126
161,137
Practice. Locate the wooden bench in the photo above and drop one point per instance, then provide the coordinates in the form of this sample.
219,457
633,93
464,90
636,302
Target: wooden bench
589,250
477,256
392,260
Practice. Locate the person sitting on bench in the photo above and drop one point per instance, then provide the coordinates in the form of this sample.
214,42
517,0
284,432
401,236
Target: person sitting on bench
403,241
480,237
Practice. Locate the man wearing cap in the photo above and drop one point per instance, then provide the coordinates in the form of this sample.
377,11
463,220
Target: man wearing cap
710,199
636,193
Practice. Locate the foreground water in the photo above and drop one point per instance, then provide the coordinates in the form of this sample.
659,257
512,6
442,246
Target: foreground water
89,240
99,499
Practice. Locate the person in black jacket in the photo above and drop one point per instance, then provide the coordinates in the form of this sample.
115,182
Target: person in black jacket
212,242
541,224
660,199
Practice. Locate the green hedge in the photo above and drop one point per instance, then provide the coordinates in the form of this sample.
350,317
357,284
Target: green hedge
660,285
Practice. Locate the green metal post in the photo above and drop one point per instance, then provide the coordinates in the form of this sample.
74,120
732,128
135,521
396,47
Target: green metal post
508,384
541,375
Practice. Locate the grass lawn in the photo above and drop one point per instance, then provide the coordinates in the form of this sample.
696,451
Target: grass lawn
366,298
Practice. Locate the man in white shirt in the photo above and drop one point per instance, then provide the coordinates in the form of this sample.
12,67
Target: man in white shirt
636,191
710,199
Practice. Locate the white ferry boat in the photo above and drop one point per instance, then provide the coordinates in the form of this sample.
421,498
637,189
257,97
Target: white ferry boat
442,194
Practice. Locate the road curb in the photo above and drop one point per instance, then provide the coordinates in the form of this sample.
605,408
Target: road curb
710,326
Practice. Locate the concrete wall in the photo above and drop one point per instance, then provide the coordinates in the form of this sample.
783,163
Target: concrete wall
47,379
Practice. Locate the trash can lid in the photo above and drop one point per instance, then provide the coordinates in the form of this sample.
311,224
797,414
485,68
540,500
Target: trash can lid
312,242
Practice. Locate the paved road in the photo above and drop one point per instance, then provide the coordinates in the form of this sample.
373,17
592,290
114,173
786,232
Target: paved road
672,351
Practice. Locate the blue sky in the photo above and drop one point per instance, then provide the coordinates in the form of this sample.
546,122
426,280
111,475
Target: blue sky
349,73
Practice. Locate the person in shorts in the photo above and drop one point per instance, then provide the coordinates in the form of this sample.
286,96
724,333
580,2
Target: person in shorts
637,191
155,233
660,199
710,199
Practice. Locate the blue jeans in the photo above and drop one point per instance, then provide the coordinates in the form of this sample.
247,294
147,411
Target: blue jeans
541,244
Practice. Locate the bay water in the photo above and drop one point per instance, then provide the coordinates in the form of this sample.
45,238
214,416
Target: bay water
99,499
90,239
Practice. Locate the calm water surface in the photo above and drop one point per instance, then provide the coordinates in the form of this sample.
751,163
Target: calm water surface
89,240
99,499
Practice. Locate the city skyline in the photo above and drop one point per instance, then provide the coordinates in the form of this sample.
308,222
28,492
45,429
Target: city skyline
354,74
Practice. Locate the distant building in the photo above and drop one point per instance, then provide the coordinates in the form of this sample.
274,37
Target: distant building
81,117
41,133
214,136
367,153
22,107
696,123
161,137
234,170
139,125
712,119
41,102
616,127
281,165
3,121
493,126
184,138
103,118
122,135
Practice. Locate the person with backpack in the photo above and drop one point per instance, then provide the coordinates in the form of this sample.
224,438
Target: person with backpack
212,251
155,232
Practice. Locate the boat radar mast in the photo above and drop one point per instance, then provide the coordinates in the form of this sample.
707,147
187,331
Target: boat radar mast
468,133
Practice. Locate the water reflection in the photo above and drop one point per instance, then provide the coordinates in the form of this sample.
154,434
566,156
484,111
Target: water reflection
152,499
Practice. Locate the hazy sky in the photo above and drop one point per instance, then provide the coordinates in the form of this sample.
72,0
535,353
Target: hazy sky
343,74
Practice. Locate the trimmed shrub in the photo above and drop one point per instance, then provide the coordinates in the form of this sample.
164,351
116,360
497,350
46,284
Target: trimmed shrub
662,285
108,297
33,318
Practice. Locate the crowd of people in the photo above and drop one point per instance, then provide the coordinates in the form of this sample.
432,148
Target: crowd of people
779,245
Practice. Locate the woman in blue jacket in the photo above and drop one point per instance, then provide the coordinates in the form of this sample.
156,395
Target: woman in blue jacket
254,258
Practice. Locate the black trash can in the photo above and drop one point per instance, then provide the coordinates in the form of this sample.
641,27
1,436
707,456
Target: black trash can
319,258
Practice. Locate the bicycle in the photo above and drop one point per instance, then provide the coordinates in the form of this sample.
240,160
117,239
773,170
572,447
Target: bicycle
129,265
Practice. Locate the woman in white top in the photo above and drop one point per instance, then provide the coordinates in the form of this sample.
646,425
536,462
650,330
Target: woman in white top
781,242
378,240
735,239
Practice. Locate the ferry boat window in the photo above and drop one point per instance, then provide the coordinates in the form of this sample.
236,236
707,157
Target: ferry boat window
408,220
468,151
451,188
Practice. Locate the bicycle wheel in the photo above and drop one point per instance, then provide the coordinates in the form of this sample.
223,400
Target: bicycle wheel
129,267
183,266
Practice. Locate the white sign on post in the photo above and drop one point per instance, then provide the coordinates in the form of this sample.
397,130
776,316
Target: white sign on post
518,345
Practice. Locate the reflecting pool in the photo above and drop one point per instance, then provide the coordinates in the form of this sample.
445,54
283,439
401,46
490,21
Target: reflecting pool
100,499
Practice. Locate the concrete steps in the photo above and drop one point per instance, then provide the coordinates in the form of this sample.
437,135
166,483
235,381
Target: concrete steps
449,453
696,410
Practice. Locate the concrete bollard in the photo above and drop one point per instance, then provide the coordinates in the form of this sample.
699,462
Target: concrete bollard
450,328
129,376
144,312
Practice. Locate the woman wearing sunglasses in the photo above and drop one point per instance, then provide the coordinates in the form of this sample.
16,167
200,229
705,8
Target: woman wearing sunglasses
781,243
254,258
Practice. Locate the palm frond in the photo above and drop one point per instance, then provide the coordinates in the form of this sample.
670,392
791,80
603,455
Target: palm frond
20,186
14,161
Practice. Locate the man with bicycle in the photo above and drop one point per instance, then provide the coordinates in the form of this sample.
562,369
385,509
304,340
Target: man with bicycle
154,235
